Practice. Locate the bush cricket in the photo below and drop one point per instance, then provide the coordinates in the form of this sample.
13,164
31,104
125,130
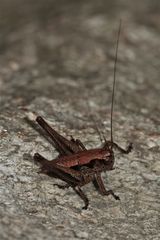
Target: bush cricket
77,165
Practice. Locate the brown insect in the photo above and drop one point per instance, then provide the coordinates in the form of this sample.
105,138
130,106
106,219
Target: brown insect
77,165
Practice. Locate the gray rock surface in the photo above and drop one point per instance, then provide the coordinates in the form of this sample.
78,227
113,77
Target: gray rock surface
56,58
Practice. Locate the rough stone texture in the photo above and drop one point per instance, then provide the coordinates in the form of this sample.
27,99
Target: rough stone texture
56,59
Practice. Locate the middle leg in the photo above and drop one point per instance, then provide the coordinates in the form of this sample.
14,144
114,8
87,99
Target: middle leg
79,191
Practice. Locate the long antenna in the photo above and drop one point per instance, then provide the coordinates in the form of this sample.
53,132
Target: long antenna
114,78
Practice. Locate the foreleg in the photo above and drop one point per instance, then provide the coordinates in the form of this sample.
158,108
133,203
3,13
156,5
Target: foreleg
102,188
125,151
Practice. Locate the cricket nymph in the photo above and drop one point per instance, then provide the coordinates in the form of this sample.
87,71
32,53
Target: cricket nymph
76,165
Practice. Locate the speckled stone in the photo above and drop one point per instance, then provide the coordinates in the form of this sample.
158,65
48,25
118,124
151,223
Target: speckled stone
57,61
